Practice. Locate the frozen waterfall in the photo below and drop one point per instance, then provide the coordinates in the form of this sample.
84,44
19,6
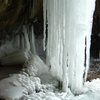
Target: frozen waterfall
17,50
68,42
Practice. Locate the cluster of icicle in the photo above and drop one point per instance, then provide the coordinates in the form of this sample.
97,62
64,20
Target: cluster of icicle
68,24
26,39
17,50
22,51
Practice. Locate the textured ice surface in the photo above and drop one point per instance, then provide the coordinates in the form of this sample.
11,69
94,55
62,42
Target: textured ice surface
68,43
23,87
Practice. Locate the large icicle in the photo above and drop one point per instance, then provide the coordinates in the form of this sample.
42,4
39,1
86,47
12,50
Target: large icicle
69,27
32,40
26,38
45,19
54,47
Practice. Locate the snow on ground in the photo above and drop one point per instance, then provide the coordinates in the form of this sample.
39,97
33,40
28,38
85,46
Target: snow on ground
25,87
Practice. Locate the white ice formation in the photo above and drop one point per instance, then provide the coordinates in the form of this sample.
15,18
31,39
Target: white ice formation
68,42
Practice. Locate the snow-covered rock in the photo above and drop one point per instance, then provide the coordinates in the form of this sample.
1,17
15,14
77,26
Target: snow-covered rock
9,91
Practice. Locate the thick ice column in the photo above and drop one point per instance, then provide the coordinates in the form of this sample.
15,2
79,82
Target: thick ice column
68,44
79,16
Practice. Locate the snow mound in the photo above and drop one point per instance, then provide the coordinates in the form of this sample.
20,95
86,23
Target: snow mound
24,87
18,85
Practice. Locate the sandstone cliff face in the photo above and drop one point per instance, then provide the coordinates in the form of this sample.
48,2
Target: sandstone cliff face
97,8
95,38
9,13
96,20
14,12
